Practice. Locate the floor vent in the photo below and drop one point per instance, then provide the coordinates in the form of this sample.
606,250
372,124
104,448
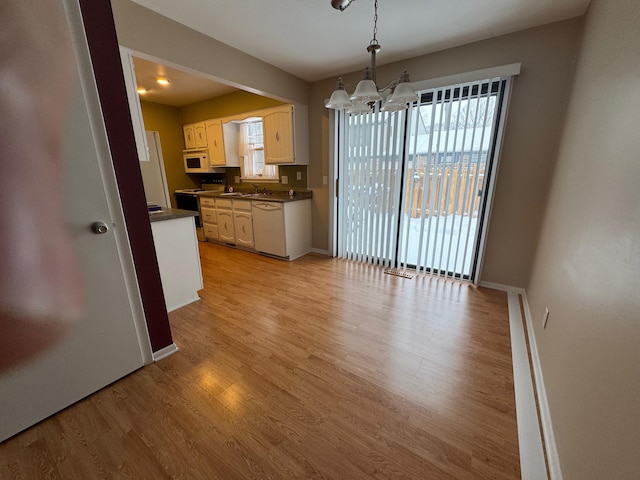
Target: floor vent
399,273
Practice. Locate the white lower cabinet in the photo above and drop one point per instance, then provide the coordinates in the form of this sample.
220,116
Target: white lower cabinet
280,229
244,229
176,246
209,218
243,222
210,232
226,230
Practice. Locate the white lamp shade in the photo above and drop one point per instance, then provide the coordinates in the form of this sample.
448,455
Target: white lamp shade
339,100
359,107
393,107
404,93
366,92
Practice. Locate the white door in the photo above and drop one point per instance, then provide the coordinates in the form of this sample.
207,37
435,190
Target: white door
111,340
153,174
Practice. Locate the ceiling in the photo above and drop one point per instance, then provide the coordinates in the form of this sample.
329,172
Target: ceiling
184,88
313,41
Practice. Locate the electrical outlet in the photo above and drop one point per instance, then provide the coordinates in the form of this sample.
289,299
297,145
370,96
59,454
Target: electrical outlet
325,180
545,319
285,179
298,175
236,179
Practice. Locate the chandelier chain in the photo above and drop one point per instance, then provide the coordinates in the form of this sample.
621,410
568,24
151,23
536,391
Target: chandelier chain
375,23
397,94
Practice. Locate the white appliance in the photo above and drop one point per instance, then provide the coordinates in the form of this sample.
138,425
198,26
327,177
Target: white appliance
268,228
154,177
197,161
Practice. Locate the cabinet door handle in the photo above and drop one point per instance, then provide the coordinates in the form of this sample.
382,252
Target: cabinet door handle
215,143
277,137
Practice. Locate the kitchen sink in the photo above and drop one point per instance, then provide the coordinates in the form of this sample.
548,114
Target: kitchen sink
241,194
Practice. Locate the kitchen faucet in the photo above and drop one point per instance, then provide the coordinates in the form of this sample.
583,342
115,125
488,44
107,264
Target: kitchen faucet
255,185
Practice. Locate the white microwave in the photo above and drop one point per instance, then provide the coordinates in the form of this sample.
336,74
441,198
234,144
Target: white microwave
197,161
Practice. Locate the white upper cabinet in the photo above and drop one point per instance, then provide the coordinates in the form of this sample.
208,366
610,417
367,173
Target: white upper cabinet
200,131
278,136
285,129
195,135
189,136
286,135
221,139
215,142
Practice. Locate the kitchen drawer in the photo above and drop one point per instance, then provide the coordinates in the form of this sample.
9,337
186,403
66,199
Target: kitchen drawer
241,205
207,202
210,231
209,215
224,203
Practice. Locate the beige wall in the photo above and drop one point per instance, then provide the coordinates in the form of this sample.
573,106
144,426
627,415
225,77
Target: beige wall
535,116
225,105
166,121
587,268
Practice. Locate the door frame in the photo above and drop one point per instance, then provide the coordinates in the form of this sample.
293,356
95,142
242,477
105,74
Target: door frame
506,72
101,37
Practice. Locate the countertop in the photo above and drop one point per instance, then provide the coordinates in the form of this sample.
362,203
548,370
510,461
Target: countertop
273,196
170,214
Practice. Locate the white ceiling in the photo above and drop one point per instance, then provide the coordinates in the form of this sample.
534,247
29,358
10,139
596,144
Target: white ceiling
183,89
313,41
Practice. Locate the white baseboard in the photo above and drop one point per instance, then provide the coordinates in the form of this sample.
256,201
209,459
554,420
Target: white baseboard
165,352
171,308
501,287
532,461
553,459
321,252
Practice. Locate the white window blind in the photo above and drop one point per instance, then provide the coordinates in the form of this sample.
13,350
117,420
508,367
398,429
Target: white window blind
451,137
370,177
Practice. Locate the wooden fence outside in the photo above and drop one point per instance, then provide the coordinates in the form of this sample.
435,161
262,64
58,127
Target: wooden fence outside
445,194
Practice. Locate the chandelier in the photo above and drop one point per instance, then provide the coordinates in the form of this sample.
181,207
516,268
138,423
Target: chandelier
396,95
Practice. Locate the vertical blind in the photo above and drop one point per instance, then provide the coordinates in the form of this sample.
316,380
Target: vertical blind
370,173
413,184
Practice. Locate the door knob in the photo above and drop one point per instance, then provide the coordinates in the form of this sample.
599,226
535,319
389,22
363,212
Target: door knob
99,228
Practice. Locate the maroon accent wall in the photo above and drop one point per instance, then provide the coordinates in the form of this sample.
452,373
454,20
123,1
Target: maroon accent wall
105,56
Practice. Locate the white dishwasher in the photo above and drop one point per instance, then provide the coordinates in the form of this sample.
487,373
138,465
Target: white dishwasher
268,228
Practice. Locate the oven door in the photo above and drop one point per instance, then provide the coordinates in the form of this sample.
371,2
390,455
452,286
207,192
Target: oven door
188,201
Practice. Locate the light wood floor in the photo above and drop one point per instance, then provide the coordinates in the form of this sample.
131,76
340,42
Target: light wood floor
314,369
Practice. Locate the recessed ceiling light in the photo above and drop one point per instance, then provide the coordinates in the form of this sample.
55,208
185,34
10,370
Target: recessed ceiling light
141,90
162,81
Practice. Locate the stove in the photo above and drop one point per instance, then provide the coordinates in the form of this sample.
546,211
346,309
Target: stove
187,199
189,190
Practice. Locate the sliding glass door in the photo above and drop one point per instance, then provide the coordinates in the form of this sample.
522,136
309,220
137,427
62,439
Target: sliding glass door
415,186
